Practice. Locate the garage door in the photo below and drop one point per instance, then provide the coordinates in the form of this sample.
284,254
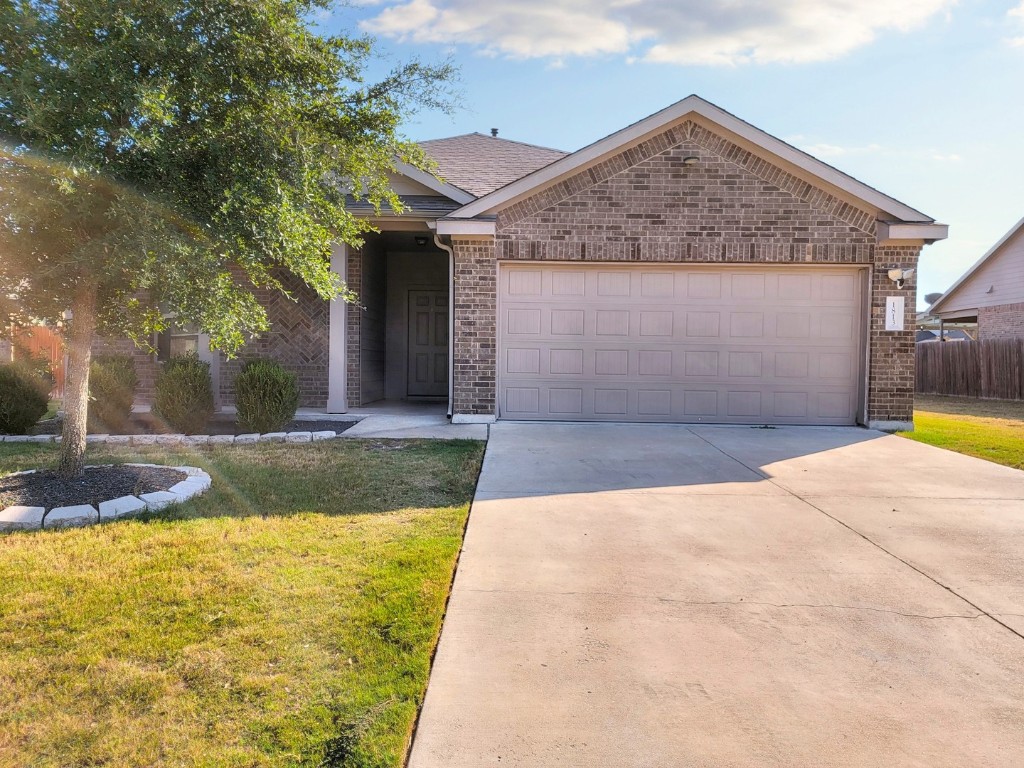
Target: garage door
773,345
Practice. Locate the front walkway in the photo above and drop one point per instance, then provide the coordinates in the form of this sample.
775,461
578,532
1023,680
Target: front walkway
399,419
635,595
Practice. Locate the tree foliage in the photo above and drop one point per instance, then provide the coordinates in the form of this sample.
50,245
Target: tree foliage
172,146
169,156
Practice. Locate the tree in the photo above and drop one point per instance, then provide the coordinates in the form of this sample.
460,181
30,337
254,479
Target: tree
168,156
931,298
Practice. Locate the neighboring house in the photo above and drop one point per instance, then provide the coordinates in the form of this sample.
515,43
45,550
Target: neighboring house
688,268
991,293
927,337
928,322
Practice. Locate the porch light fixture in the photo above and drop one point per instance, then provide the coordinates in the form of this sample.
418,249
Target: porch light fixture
421,240
691,160
900,276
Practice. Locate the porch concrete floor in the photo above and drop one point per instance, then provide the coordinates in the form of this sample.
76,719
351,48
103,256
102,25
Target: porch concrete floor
404,419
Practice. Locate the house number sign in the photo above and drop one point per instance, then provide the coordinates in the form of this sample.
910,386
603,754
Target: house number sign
894,306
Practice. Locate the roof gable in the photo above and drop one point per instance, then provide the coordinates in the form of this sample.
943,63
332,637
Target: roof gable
957,294
433,183
693,109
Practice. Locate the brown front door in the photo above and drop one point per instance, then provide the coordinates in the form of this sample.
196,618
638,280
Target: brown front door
428,343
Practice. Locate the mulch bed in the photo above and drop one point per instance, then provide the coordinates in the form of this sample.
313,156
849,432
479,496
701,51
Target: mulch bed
147,424
49,489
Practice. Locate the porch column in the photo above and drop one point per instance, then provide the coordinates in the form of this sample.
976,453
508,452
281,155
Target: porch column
337,363
476,297
892,364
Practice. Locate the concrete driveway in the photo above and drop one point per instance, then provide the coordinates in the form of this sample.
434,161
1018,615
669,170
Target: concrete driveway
634,595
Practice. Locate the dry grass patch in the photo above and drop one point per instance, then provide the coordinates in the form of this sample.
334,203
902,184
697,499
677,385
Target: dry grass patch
285,618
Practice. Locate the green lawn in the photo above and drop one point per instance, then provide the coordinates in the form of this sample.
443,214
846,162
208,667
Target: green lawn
285,618
988,429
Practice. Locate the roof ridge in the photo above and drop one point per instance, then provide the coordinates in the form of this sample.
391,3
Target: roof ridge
500,138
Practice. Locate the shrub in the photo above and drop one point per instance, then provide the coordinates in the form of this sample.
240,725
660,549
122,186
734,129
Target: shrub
24,398
39,365
112,382
184,394
266,396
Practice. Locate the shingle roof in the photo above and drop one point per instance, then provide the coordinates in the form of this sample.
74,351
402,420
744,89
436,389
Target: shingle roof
417,206
480,164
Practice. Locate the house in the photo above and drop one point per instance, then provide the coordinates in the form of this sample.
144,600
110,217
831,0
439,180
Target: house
688,268
925,336
991,293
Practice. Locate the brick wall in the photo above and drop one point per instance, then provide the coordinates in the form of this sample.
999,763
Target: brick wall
891,362
146,366
1005,321
298,339
647,205
353,328
476,289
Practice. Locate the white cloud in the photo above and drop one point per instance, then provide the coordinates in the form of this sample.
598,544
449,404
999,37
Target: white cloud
671,31
827,152
823,150
1017,19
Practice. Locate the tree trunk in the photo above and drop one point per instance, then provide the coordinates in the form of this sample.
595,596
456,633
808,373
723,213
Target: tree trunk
76,387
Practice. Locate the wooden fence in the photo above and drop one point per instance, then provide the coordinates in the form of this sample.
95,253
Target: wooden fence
972,368
40,341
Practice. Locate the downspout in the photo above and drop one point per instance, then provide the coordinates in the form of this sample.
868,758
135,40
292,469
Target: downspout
451,322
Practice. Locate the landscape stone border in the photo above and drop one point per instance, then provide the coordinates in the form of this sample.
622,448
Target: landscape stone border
22,518
178,439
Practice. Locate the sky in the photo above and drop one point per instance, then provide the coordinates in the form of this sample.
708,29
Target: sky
922,99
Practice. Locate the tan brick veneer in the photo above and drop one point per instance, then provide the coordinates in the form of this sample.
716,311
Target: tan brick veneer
1005,321
646,205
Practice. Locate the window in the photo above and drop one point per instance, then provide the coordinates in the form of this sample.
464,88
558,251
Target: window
175,342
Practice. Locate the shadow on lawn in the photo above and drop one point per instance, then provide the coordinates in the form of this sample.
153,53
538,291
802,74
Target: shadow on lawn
349,477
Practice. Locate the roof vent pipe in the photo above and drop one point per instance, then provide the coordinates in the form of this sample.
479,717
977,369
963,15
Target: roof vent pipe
494,133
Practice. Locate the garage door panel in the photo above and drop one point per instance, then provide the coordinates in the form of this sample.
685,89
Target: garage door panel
679,343
667,401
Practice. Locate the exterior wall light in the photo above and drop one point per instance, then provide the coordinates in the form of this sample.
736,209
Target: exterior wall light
691,160
900,276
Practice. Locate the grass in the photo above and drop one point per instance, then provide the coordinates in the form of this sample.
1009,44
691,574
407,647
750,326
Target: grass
987,429
285,618
51,409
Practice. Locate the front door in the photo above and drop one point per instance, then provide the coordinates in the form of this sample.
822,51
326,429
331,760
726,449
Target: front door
428,344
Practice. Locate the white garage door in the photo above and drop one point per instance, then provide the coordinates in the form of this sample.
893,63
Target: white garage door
745,345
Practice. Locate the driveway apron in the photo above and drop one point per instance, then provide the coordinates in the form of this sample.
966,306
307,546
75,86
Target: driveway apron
669,595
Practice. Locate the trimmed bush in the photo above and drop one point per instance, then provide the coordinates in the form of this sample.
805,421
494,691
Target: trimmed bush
39,365
112,382
266,396
184,394
24,398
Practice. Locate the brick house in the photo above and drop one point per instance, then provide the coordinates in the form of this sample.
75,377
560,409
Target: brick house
688,268
991,293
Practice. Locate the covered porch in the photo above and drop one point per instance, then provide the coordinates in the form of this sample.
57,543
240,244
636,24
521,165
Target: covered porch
391,349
